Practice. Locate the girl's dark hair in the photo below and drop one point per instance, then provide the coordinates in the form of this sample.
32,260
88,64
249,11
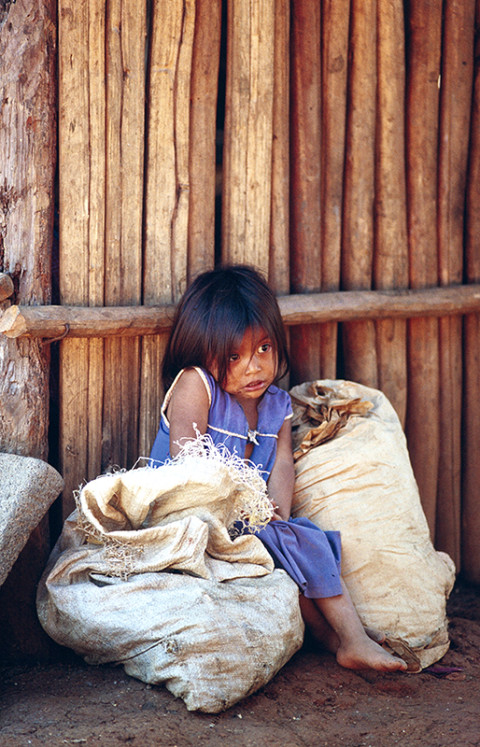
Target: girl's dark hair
212,317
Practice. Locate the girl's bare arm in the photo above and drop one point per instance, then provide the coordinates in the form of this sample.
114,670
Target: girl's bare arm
282,476
187,409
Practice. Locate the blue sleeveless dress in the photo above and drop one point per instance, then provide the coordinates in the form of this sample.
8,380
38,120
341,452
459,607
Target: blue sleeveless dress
309,555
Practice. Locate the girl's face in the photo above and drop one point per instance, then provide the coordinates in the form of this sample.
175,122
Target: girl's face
252,366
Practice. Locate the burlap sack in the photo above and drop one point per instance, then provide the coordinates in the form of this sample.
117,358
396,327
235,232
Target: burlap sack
361,482
146,574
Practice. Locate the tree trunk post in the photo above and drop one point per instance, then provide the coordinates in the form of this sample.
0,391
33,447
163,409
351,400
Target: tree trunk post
27,155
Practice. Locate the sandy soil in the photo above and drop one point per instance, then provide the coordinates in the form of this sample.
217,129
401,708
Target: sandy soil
311,702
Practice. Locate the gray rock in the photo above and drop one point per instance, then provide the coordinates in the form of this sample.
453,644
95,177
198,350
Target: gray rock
28,487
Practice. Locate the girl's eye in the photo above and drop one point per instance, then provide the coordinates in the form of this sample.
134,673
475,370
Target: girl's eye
233,357
265,348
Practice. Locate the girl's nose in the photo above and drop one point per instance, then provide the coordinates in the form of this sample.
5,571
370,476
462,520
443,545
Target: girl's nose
253,364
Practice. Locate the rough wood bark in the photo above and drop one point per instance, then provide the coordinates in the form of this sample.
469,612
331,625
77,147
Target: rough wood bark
390,265
203,112
357,243
455,107
27,158
422,422
471,406
305,189
335,33
167,188
247,153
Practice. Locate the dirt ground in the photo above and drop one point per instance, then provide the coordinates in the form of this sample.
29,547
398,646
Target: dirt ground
311,702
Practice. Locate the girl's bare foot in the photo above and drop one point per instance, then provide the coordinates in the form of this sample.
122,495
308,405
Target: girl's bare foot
367,654
335,624
331,642
325,635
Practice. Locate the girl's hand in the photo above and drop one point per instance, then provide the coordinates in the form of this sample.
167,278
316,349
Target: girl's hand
276,515
282,477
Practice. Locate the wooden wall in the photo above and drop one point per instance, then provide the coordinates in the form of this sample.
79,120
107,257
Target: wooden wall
333,144
349,161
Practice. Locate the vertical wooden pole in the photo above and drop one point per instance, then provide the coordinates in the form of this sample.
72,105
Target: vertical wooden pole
247,154
335,34
279,250
305,184
203,113
470,543
81,122
357,244
179,255
94,250
455,106
422,422
125,102
167,188
279,258
27,158
390,266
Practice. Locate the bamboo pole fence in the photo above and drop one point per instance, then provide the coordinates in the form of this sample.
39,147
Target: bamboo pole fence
334,145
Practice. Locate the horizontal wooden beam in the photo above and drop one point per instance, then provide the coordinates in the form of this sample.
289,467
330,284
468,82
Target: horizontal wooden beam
346,306
85,321
53,322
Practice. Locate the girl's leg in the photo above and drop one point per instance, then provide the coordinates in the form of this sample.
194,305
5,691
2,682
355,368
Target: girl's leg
322,631
317,625
334,622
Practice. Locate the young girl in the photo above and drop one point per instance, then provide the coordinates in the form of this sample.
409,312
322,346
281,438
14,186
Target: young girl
226,349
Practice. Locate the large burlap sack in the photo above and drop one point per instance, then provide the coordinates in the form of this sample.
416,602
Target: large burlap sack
146,574
360,481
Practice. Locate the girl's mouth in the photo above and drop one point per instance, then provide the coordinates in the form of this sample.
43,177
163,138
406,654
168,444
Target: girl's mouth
254,385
